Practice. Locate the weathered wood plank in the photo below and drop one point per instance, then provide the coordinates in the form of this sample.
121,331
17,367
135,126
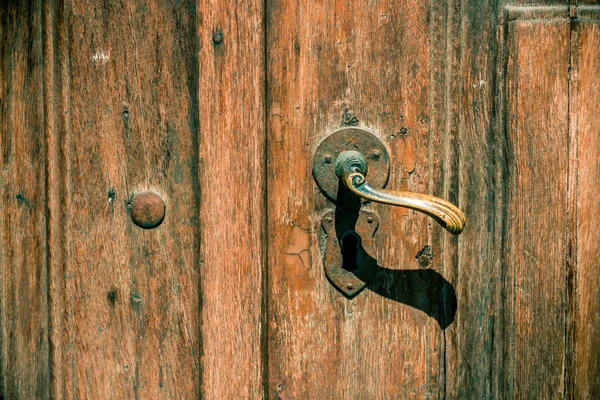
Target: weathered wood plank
537,127
571,237
101,101
24,356
233,214
124,300
587,251
476,348
444,158
56,93
327,63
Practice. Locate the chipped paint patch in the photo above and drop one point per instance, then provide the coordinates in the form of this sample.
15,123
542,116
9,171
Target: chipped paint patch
100,58
298,249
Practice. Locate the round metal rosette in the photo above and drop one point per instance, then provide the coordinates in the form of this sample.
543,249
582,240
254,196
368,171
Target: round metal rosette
350,138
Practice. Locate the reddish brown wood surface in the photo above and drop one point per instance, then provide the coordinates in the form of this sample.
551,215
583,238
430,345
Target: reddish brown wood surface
218,107
587,253
515,331
24,361
232,162
474,342
121,91
537,125
327,64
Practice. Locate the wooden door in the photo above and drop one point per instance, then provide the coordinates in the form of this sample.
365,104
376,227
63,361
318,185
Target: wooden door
218,108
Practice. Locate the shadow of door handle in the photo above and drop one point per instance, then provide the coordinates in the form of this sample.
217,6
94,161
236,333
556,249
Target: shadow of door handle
351,168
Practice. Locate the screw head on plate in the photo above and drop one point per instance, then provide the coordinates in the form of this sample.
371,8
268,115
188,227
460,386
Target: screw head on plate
343,140
147,210
217,37
375,154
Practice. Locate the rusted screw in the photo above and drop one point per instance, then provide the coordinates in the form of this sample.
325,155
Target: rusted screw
329,219
328,159
217,38
147,209
424,261
375,154
350,287
403,131
370,220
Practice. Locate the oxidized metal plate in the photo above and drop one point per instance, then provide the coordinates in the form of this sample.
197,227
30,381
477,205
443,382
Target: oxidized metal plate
350,282
350,138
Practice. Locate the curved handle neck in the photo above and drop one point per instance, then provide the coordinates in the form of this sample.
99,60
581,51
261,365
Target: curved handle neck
351,168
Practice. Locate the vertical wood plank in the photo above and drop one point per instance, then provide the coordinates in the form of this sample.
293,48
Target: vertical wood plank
233,215
476,350
571,242
587,383
331,63
445,149
124,300
537,121
56,93
24,356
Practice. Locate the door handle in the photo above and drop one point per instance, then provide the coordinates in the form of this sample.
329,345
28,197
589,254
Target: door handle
351,167
344,158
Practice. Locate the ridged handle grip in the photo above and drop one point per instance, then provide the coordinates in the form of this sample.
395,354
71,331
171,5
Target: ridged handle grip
351,168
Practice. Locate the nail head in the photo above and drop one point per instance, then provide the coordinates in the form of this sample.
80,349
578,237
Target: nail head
147,209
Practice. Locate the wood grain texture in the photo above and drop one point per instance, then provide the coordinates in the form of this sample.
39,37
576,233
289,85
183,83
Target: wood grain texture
476,346
219,107
444,158
24,356
232,168
537,123
587,338
332,63
494,345
124,300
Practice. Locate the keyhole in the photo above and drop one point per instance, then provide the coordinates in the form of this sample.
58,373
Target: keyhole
350,246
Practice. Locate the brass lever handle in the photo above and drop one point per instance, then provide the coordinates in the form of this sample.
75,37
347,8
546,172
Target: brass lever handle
351,168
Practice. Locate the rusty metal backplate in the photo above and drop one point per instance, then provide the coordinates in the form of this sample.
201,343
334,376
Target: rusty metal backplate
350,138
351,282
